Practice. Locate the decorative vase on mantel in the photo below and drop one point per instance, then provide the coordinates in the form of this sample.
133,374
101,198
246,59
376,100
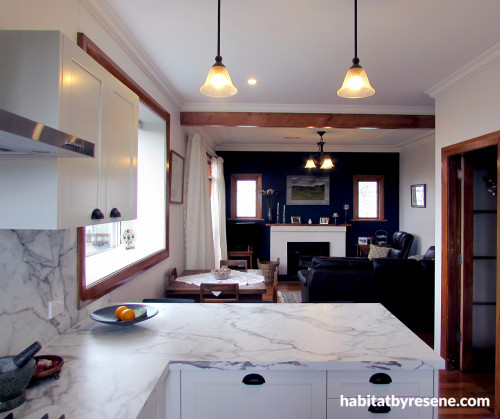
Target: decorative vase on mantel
268,195
269,215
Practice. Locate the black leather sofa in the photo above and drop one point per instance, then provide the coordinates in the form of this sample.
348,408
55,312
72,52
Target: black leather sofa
404,286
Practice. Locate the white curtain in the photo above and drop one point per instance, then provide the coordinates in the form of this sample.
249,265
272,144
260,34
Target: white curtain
199,237
219,210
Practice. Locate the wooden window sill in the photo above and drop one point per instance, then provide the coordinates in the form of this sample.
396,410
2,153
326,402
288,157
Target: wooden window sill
245,219
369,219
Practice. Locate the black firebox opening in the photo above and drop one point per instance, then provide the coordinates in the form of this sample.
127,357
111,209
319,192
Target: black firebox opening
300,254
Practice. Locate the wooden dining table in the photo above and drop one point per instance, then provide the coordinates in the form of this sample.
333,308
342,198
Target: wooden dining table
180,289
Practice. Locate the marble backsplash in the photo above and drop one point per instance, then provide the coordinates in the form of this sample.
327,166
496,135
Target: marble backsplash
37,266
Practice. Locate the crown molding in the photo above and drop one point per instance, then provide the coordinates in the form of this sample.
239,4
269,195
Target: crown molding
115,27
357,109
477,65
307,149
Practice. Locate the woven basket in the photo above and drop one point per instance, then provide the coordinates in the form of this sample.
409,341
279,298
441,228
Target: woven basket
268,268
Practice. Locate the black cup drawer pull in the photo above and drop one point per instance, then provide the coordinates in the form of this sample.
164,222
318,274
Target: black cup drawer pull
253,380
115,213
97,214
379,409
380,378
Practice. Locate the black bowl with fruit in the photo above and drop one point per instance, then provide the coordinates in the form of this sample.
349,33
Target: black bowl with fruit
48,366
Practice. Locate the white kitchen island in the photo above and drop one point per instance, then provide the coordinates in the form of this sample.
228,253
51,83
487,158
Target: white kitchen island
307,354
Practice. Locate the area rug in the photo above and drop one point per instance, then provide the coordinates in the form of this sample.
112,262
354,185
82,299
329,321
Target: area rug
289,297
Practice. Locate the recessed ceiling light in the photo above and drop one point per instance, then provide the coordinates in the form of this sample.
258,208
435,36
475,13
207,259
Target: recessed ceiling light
252,81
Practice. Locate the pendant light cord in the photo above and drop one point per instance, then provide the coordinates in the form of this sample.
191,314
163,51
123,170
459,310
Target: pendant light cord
218,32
355,28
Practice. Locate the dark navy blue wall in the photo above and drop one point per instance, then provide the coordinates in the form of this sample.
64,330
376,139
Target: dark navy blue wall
275,166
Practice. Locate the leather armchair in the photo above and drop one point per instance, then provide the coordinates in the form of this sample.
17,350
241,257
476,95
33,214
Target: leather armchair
401,243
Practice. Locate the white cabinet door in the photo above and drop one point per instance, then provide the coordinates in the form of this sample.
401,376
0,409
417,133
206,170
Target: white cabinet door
212,394
350,393
121,150
83,104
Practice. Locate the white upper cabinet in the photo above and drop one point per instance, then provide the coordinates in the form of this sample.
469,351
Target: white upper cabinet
46,77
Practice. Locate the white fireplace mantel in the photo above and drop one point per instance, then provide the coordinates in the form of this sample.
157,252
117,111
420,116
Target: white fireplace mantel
282,234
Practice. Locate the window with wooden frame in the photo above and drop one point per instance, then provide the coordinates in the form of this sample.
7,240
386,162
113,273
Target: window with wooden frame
368,198
246,199
90,292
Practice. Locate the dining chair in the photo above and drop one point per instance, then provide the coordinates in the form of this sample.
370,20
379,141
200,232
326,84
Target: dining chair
229,293
171,275
168,300
236,264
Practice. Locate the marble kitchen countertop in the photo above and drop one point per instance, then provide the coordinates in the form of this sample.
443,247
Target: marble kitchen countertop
109,371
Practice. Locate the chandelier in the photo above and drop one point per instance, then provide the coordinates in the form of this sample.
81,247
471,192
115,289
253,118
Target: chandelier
320,159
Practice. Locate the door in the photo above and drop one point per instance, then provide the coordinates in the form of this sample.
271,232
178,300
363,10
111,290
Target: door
461,255
452,248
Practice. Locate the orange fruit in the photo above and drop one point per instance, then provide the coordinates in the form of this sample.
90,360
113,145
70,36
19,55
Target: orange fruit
119,311
127,315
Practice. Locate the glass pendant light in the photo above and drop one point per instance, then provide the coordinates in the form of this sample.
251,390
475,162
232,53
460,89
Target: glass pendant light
327,163
356,84
310,164
320,158
218,82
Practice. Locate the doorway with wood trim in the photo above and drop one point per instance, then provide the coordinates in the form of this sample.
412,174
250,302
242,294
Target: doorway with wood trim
470,250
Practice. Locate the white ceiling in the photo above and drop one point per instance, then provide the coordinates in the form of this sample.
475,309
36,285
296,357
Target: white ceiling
299,51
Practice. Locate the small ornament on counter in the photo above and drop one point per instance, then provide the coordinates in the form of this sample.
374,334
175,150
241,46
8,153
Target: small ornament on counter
128,237
310,221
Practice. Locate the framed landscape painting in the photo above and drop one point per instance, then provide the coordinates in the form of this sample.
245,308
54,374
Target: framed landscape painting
308,190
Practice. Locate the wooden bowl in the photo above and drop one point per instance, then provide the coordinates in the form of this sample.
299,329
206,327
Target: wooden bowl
222,273
50,371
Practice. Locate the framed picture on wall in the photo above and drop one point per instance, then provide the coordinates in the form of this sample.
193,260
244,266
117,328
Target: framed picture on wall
308,190
176,178
418,196
362,240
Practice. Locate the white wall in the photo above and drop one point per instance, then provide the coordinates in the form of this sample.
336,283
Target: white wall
40,266
416,166
467,106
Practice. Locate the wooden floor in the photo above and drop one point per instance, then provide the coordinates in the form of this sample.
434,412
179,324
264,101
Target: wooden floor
451,383
456,384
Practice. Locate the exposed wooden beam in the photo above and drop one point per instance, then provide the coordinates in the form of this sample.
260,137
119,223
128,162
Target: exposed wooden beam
305,120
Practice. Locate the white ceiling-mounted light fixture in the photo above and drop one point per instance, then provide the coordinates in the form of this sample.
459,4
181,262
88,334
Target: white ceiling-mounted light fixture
356,84
320,159
218,82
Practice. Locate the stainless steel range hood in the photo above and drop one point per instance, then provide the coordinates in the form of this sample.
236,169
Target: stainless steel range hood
22,136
